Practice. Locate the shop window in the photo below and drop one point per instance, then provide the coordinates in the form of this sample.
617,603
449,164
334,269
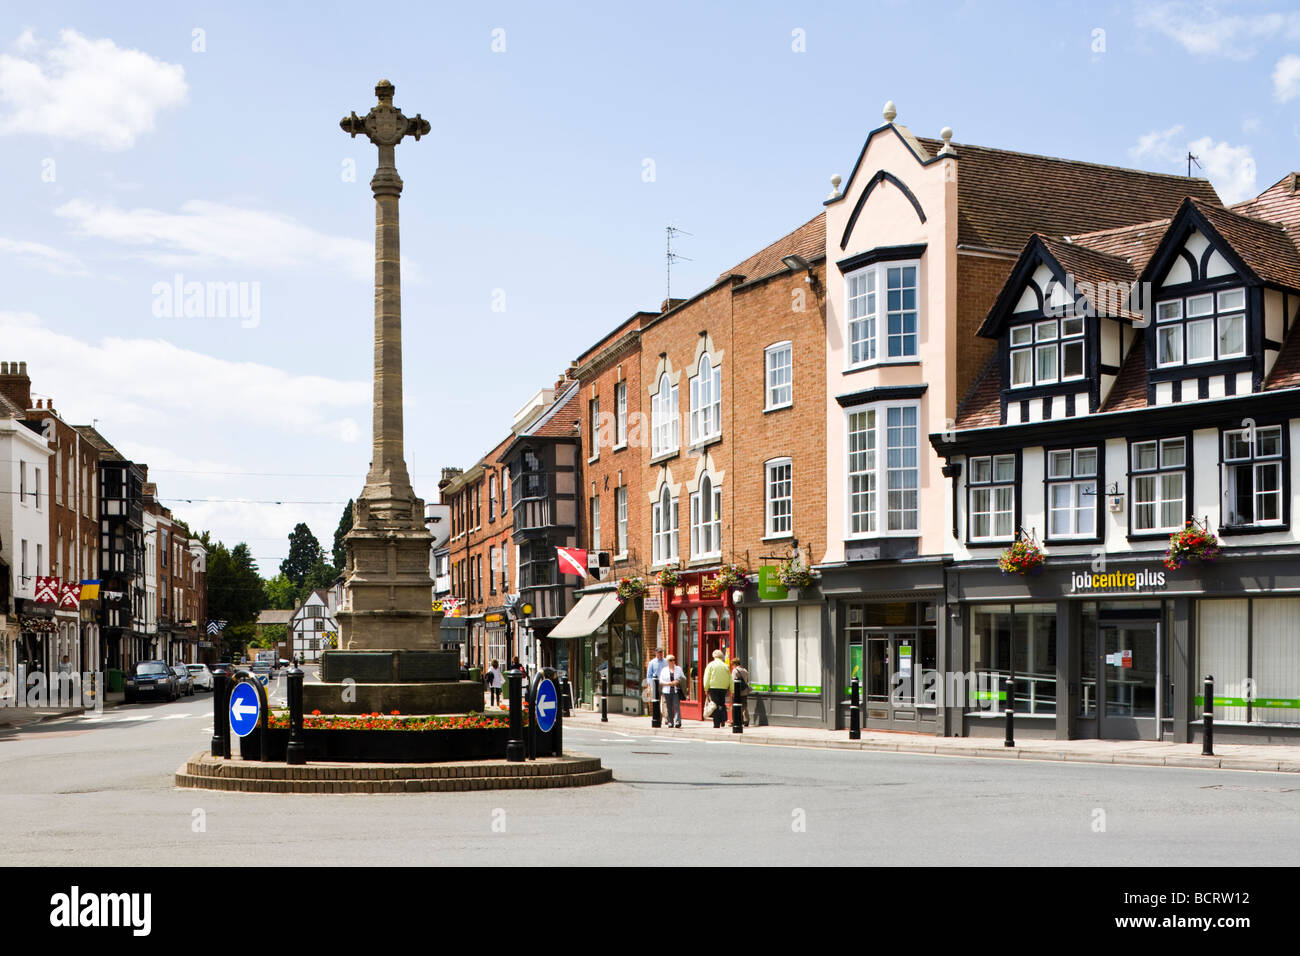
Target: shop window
785,649
1250,648
1158,485
991,491
1016,641
1252,477
1072,493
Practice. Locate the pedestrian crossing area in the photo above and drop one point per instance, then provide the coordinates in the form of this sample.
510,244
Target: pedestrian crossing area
129,719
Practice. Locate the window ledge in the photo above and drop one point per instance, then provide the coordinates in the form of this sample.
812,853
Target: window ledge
784,536
705,442
989,542
704,560
593,458
778,408
620,447
1230,530
665,456
881,364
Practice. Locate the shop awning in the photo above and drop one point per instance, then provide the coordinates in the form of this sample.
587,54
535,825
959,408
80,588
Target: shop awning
591,611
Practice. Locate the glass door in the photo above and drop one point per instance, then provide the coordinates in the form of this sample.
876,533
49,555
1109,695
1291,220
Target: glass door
1129,677
904,678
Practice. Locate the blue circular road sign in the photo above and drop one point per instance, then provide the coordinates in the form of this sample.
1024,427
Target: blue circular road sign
245,708
547,704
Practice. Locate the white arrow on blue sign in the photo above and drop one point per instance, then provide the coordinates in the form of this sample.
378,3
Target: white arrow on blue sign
245,706
546,705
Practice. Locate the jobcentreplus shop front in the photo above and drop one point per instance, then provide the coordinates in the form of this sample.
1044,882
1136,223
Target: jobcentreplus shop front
1121,652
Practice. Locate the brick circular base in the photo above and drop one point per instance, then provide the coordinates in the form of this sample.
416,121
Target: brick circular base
205,772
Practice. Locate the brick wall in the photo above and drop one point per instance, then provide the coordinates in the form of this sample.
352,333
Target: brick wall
979,281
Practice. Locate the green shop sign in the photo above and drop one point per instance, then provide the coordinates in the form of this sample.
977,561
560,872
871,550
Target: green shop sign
770,587
786,688
1246,702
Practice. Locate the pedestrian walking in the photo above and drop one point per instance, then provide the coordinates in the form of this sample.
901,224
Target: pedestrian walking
496,680
717,681
740,684
671,678
652,673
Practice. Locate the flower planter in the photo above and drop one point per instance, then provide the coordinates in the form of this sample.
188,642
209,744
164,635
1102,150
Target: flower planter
384,746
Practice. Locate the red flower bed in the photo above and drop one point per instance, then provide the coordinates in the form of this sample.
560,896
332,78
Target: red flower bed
279,720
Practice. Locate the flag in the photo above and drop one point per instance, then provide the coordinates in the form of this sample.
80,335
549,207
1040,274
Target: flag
69,598
90,590
216,627
47,590
572,561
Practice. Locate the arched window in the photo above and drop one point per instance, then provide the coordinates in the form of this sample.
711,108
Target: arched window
706,400
706,518
664,430
663,521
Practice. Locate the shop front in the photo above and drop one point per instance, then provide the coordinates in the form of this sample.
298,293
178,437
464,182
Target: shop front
700,621
1121,653
598,641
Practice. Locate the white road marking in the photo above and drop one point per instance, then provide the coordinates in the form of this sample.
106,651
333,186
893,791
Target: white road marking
123,720
178,716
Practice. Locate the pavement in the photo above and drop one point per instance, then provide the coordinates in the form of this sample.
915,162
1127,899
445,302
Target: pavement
1273,758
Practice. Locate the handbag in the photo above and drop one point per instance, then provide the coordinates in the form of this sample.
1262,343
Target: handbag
709,708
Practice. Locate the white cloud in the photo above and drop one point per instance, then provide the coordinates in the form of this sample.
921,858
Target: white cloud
1200,27
209,233
43,257
1230,168
85,90
1286,78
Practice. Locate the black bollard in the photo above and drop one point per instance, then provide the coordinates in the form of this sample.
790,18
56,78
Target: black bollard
855,711
1207,733
515,745
737,709
219,705
296,751
604,700
1009,688
567,691
656,709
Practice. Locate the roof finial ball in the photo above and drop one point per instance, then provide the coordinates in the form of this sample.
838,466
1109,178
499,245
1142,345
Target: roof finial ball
889,112
835,187
945,134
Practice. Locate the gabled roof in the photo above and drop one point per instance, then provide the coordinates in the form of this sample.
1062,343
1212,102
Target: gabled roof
1286,370
809,241
9,409
1279,203
1134,243
99,443
1003,197
274,616
1265,247
557,421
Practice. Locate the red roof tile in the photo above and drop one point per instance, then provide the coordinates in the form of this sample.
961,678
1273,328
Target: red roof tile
1264,246
809,241
1286,370
982,406
1130,388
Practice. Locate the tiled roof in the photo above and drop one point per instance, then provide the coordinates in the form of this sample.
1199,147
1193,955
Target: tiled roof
1134,243
8,409
1102,272
1286,370
1264,246
1003,197
1130,388
982,407
560,420
809,241
274,616
1279,203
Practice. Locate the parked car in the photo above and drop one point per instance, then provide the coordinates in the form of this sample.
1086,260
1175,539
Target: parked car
201,675
262,671
151,679
183,680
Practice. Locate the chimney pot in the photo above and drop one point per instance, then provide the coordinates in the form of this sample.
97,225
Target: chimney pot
22,368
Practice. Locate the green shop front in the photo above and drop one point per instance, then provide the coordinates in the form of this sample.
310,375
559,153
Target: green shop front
1120,652
600,638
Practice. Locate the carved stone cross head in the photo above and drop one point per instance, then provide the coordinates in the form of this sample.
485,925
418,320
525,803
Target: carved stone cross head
384,125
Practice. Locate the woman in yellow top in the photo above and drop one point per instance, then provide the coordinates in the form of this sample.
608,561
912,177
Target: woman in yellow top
717,681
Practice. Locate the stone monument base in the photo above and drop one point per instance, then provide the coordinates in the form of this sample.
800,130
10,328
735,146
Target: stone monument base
383,666
409,699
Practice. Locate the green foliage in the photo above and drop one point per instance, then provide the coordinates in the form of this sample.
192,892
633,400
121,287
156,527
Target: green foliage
280,592
304,552
321,575
235,590
345,525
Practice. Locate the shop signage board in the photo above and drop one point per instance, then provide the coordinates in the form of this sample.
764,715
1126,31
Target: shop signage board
1120,659
1272,702
770,587
905,660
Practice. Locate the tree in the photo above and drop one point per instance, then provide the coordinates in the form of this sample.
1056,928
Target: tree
321,575
235,592
304,551
345,525
280,592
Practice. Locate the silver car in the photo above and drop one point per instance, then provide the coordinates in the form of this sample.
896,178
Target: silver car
201,675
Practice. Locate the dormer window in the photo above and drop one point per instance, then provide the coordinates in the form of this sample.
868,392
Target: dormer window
1046,352
1201,328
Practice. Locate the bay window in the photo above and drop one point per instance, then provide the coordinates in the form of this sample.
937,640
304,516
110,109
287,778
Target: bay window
1046,352
893,429
1201,328
891,336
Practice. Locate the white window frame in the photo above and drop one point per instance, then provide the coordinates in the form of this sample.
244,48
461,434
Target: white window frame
706,519
1161,476
706,400
1081,485
869,328
620,415
1174,318
663,524
1258,463
992,478
665,419
594,511
1042,335
876,471
778,376
593,410
620,515
774,483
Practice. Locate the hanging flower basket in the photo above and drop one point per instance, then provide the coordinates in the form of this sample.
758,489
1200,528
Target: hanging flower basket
793,573
630,589
668,578
1193,543
1023,557
729,576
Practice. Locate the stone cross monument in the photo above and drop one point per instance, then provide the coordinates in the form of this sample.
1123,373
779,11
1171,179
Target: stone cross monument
389,593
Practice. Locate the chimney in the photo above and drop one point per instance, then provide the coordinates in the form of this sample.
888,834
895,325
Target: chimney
669,304
15,385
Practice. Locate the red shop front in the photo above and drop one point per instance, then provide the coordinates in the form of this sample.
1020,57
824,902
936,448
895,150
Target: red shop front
699,623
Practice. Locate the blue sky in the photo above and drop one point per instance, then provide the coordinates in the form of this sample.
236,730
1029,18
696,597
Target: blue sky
136,149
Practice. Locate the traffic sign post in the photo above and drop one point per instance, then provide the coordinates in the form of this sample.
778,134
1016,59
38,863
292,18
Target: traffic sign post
547,713
248,717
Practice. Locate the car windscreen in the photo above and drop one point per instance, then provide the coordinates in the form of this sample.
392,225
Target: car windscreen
146,668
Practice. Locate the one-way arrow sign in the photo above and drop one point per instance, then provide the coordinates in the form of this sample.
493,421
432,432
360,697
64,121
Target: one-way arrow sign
245,706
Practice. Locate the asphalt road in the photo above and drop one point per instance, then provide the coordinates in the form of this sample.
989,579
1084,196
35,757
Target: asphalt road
99,791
